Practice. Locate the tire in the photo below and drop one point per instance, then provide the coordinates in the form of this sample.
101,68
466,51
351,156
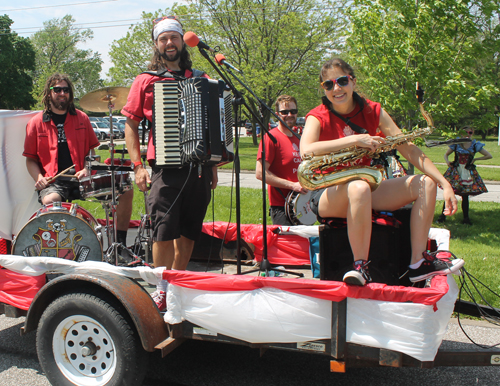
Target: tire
83,339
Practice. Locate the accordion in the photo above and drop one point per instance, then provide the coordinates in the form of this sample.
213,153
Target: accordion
192,123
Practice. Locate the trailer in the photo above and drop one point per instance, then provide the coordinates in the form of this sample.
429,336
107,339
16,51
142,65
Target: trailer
95,322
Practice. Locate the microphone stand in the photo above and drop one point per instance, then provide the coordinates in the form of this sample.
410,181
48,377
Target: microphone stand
265,265
238,100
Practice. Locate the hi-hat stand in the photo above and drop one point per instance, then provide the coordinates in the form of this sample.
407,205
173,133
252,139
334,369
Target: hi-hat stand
102,100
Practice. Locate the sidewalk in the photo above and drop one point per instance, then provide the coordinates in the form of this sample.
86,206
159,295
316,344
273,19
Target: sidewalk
248,180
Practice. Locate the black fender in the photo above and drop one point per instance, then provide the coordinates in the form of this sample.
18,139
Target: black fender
136,301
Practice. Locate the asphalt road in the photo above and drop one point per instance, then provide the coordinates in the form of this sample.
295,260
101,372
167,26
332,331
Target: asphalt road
203,363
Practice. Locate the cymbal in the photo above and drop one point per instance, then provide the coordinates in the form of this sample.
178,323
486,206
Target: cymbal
98,100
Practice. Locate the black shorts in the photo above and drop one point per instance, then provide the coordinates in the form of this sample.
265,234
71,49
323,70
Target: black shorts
278,216
178,201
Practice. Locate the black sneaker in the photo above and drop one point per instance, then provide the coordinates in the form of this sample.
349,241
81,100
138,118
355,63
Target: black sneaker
432,266
441,219
359,275
467,221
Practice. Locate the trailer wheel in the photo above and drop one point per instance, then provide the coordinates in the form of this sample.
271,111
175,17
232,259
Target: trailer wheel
82,339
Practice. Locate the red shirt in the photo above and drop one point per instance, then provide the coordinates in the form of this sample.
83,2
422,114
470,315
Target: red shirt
333,127
140,102
41,140
284,159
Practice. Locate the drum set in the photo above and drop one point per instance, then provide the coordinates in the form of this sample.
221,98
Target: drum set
67,230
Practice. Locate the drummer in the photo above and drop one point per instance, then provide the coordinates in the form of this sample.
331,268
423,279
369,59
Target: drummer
59,138
282,160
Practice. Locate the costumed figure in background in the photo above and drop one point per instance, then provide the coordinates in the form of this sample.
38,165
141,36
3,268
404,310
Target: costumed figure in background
462,173
346,120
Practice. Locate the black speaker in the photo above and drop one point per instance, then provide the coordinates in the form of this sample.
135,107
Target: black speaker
390,251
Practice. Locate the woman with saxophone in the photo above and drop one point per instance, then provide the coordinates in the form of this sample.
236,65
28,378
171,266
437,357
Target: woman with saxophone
346,120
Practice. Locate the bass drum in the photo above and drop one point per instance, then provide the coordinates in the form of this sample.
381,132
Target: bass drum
62,230
298,210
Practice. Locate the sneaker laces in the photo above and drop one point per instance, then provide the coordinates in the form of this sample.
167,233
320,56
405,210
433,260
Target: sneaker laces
440,254
362,267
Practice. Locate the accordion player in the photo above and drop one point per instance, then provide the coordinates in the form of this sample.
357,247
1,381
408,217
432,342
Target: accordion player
192,123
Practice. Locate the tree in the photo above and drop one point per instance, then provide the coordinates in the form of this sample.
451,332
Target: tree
279,45
396,43
56,51
16,61
130,55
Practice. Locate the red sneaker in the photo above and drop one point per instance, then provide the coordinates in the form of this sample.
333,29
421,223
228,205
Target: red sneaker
160,299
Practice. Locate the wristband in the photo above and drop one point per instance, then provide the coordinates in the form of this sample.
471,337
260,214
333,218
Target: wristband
137,164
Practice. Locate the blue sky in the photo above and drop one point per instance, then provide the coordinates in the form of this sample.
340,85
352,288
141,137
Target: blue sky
108,19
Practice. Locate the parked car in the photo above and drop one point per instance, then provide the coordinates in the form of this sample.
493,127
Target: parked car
101,130
121,127
301,121
146,135
249,129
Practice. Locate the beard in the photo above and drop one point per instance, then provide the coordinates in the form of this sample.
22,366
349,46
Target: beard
291,121
60,104
169,57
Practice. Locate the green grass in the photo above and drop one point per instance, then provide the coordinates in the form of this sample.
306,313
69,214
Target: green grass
478,245
491,144
248,156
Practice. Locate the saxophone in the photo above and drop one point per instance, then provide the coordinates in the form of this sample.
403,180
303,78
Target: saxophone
318,172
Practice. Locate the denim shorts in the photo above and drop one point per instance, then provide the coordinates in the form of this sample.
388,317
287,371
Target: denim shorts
314,201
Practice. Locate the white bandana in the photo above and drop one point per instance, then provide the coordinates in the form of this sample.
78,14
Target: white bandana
167,25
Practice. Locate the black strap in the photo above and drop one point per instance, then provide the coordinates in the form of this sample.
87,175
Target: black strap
358,129
165,73
280,192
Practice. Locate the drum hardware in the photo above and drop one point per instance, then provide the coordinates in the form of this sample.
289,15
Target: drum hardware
102,100
143,242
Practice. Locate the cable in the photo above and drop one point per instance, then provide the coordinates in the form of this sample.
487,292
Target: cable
492,317
176,198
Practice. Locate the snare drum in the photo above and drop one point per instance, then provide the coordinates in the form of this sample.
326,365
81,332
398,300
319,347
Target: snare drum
62,230
298,210
99,185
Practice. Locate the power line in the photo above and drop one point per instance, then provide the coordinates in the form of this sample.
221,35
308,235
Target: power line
204,15
53,6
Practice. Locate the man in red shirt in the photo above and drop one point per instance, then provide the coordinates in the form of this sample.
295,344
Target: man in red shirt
178,197
57,138
282,160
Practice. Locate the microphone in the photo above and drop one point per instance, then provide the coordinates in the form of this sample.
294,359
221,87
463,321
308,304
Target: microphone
192,40
221,60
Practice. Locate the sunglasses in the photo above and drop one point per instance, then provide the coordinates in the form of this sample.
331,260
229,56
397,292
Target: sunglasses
342,81
57,90
291,111
158,19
